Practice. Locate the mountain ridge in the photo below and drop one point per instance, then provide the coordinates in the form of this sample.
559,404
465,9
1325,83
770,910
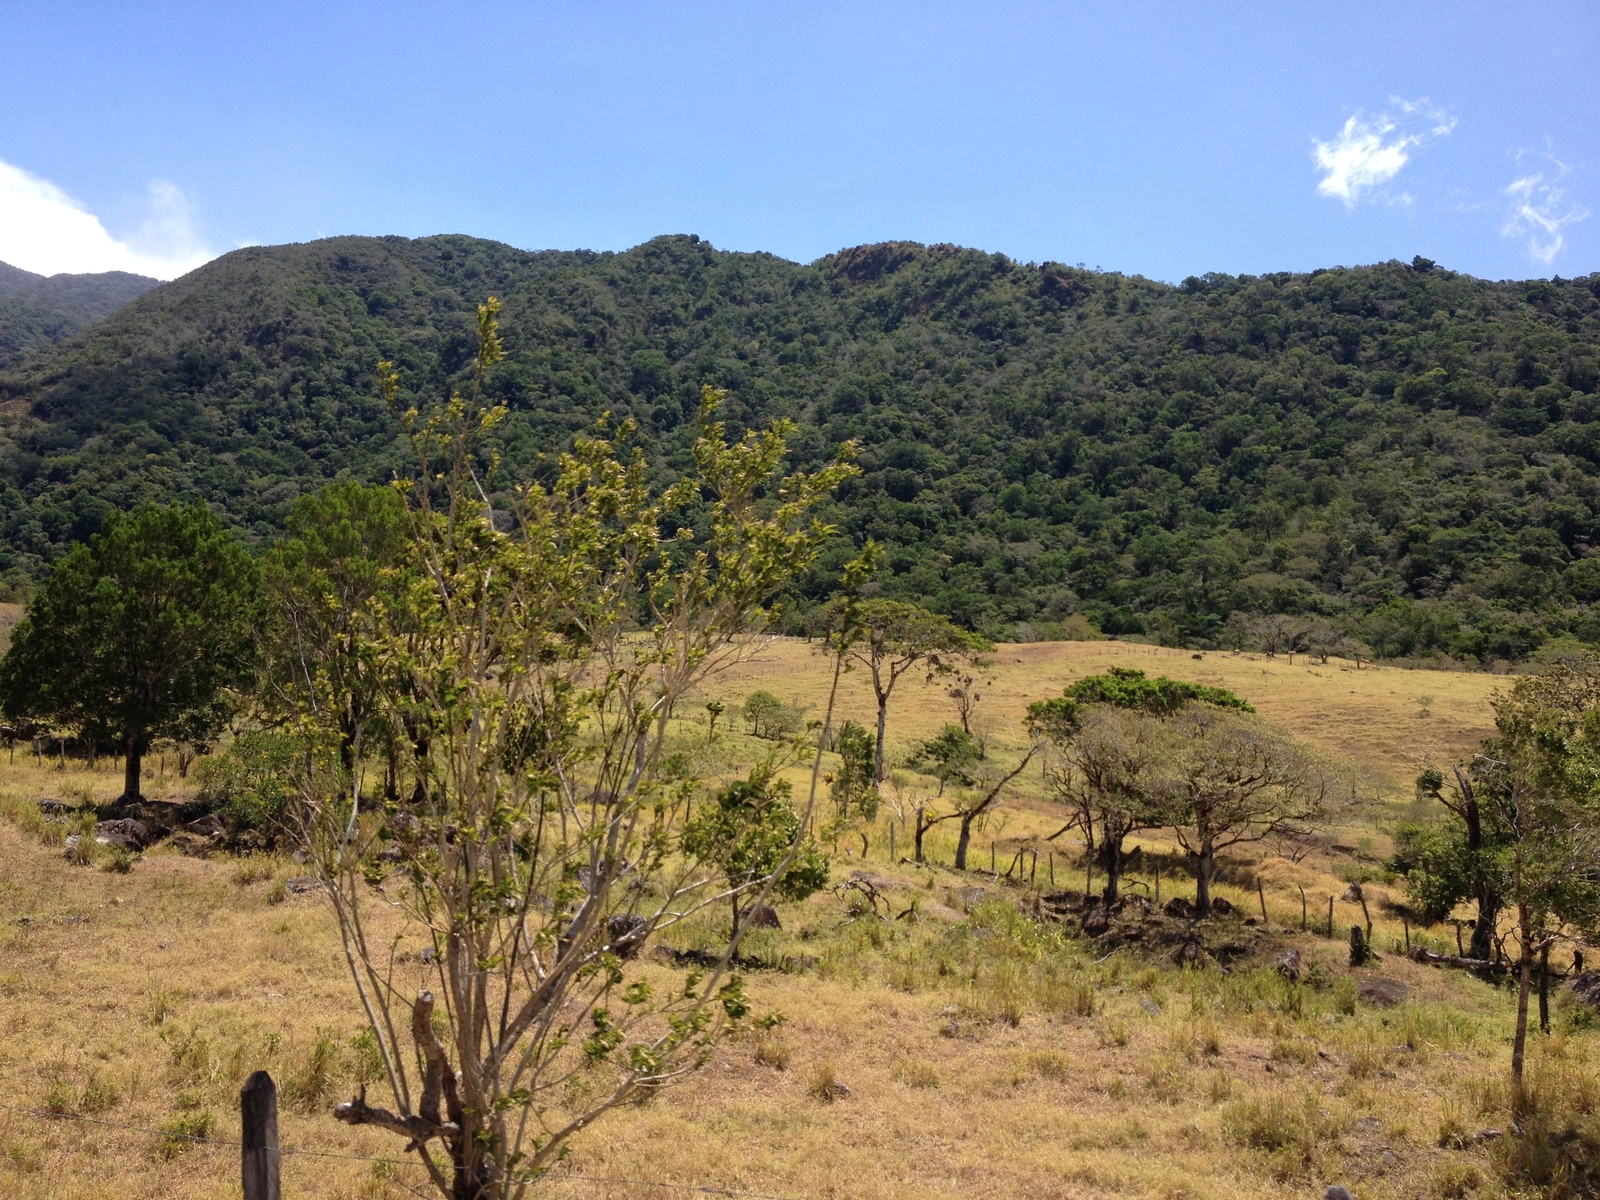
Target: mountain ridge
1406,450
39,310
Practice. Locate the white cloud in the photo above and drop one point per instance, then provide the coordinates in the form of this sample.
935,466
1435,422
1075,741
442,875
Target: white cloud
43,229
1370,151
1539,210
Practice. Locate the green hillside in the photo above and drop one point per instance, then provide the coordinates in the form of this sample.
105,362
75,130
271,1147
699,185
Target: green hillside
39,310
1410,451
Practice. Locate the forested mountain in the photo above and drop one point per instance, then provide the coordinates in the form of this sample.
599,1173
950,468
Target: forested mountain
37,310
1414,452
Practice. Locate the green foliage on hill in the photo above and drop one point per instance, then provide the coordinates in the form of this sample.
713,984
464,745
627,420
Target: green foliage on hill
39,310
1411,452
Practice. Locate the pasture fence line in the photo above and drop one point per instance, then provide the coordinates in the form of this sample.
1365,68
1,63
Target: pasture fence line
260,1154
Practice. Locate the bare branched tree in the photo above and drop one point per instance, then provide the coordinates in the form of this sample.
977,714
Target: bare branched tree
535,671
1231,778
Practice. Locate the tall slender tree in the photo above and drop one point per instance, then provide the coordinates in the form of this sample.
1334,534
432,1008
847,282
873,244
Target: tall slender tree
897,637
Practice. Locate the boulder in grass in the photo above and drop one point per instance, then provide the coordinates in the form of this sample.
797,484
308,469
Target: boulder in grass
760,916
626,933
208,826
126,832
1382,992
1288,965
1586,987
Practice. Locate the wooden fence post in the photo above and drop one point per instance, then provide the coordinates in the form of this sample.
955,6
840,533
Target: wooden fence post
1330,916
1261,892
258,1119
1302,908
891,841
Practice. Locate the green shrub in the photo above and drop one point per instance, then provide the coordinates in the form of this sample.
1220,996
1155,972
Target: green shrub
251,785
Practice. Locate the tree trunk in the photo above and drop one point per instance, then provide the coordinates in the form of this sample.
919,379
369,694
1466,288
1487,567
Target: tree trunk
1203,870
963,842
1111,859
1482,945
878,773
130,772
1519,1044
1544,988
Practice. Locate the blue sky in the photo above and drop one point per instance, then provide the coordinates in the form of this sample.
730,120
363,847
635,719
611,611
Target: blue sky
1161,139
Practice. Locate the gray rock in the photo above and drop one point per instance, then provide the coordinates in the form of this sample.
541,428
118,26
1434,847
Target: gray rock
627,933
1335,1192
1352,894
761,916
1178,906
71,850
300,884
1586,987
1289,965
1150,1006
208,826
135,835
1382,992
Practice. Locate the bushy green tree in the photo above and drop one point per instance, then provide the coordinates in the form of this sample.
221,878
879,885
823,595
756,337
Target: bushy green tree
770,717
1539,777
324,587
853,787
138,634
251,785
751,833
949,756
1112,754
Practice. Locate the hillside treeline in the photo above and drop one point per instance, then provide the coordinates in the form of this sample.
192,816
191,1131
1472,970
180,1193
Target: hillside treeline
1407,452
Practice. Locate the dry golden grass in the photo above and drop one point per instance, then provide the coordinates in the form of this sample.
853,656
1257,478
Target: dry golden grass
1374,716
983,1056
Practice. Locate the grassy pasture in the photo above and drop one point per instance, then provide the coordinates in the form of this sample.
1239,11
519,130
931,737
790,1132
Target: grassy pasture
985,1055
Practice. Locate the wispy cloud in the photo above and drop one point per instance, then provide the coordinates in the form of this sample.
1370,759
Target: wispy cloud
43,229
1371,150
1540,210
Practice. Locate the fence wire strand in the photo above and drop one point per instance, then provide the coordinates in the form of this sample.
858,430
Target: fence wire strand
701,1189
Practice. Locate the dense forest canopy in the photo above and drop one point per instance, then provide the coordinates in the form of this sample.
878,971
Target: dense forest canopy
39,310
1409,451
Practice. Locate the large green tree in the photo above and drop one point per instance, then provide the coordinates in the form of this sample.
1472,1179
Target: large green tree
1540,778
137,634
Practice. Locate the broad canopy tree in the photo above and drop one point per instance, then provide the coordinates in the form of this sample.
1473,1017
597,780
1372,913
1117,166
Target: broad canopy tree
138,634
1136,753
